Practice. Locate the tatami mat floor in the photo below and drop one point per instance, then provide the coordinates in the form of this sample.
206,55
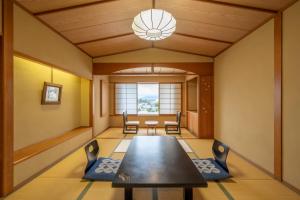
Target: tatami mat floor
63,181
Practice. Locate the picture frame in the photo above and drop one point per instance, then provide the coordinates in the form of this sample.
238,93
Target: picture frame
51,94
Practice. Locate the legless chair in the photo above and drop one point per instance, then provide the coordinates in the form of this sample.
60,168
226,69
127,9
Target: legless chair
129,126
173,126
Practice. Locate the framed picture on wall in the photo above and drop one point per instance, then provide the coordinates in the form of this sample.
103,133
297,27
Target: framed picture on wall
51,94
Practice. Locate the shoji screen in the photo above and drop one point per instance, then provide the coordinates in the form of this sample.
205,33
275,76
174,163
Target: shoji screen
169,98
126,98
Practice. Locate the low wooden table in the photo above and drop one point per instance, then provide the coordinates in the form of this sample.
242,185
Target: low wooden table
157,161
151,125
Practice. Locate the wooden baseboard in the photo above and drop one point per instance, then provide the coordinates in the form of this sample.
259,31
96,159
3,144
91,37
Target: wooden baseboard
37,148
290,186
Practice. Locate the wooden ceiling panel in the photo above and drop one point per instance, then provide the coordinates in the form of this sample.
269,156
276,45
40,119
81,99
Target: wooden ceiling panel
209,31
266,4
114,45
99,31
36,6
191,45
95,14
214,14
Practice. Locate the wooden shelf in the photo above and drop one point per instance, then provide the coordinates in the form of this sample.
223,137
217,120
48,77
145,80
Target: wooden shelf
37,148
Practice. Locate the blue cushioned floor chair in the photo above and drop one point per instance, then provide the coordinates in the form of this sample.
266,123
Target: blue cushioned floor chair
214,168
99,169
220,152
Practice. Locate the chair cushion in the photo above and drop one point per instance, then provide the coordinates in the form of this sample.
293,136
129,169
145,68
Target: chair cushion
210,169
132,123
172,123
104,169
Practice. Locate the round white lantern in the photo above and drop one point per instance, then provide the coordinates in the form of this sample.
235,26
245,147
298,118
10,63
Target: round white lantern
154,24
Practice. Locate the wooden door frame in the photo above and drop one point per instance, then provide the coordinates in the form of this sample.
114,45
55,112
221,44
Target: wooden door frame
6,100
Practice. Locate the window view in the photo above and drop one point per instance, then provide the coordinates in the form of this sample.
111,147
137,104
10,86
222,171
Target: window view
148,98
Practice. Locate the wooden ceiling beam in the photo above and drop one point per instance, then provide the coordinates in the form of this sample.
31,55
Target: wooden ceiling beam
203,38
182,51
131,33
240,6
120,52
72,7
201,68
106,38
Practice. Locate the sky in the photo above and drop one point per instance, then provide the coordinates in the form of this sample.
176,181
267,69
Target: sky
148,90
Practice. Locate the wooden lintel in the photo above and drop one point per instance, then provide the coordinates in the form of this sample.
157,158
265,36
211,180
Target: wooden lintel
203,68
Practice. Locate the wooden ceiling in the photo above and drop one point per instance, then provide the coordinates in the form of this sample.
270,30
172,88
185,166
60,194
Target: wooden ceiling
103,27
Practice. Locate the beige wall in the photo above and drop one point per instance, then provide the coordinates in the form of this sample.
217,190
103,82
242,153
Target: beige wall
116,120
291,95
34,122
152,55
244,112
33,38
101,123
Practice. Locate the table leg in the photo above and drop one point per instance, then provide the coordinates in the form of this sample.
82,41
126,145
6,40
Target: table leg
188,194
128,193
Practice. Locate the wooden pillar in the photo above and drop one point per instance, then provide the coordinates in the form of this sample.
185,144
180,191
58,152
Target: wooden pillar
6,99
205,111
91,107
278,97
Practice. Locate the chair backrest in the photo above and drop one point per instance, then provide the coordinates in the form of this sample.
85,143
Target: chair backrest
178,118
220,152
125,117
92,151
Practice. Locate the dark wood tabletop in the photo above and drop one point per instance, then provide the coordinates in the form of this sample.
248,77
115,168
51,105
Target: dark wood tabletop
157,161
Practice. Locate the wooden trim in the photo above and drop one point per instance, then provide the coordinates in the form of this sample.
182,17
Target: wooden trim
202,38
37,148
73,7
290,186
239,6
105,38
91,102
101,97
6,100
203,68
50,27
278,96
181,51
120,52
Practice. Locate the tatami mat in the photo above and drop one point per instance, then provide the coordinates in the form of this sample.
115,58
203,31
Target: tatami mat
63,181
49,189
260,190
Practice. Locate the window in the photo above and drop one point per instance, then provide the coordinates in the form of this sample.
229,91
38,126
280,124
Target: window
126,98
169,98
147,98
